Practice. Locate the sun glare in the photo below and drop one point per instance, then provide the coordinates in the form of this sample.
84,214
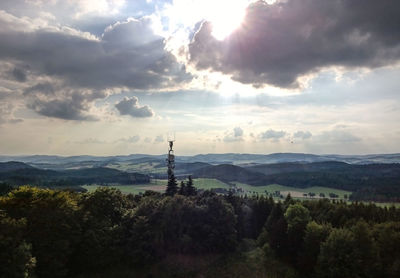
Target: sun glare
225,15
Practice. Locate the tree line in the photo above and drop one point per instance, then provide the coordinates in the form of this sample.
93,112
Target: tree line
54,233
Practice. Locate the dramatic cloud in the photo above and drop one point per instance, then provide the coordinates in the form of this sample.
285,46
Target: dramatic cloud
278,43
45,88
19,75
66,66
302,135
271,134
64,62
62,103
62,109
129,54
131,107
64,11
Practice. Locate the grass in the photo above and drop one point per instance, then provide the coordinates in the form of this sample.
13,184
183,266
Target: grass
293,191
137,188
158,185
385,204
207,184
134,189
261,189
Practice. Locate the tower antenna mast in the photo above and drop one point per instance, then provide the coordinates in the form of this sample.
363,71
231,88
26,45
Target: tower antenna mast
171,157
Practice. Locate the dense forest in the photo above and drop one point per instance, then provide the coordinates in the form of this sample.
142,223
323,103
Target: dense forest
371,182
54,233
18,173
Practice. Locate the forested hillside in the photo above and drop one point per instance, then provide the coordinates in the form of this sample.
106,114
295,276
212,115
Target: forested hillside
52,233
17,173
371,182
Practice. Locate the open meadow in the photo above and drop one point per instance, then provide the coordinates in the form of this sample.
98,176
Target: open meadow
209,184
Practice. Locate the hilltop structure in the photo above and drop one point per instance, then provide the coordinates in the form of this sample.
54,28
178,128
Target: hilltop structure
171,159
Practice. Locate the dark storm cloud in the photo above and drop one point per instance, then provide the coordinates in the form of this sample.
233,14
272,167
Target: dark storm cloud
127,55
19,75
131,107
68,106
45,88
279,43
57,101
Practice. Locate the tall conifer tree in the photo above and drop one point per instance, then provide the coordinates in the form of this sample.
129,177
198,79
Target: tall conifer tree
172,186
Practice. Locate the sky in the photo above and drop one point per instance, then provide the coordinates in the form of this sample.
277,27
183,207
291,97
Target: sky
116,77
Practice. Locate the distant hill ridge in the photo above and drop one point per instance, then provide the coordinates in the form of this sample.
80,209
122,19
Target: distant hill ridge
230,173
12,166
227,158
18,173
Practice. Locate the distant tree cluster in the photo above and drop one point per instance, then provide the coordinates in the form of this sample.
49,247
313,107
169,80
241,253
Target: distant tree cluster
184,189
53,233
324,239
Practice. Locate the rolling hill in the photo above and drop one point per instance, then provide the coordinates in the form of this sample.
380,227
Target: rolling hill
20,174
43,161
230,173
369,182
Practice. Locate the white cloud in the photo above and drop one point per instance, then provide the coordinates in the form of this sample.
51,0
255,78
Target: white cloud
131,107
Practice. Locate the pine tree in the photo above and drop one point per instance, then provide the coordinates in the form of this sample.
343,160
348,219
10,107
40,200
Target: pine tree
172,186
190,189
182,189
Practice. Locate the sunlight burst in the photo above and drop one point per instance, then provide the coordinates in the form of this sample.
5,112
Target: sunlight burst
225,15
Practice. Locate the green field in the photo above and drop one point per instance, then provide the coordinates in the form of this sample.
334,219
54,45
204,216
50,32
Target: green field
209,184
159,185
155,185
294,192
206,184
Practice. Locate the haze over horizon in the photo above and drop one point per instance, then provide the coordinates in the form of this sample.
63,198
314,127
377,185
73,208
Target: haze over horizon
115,77
201,154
